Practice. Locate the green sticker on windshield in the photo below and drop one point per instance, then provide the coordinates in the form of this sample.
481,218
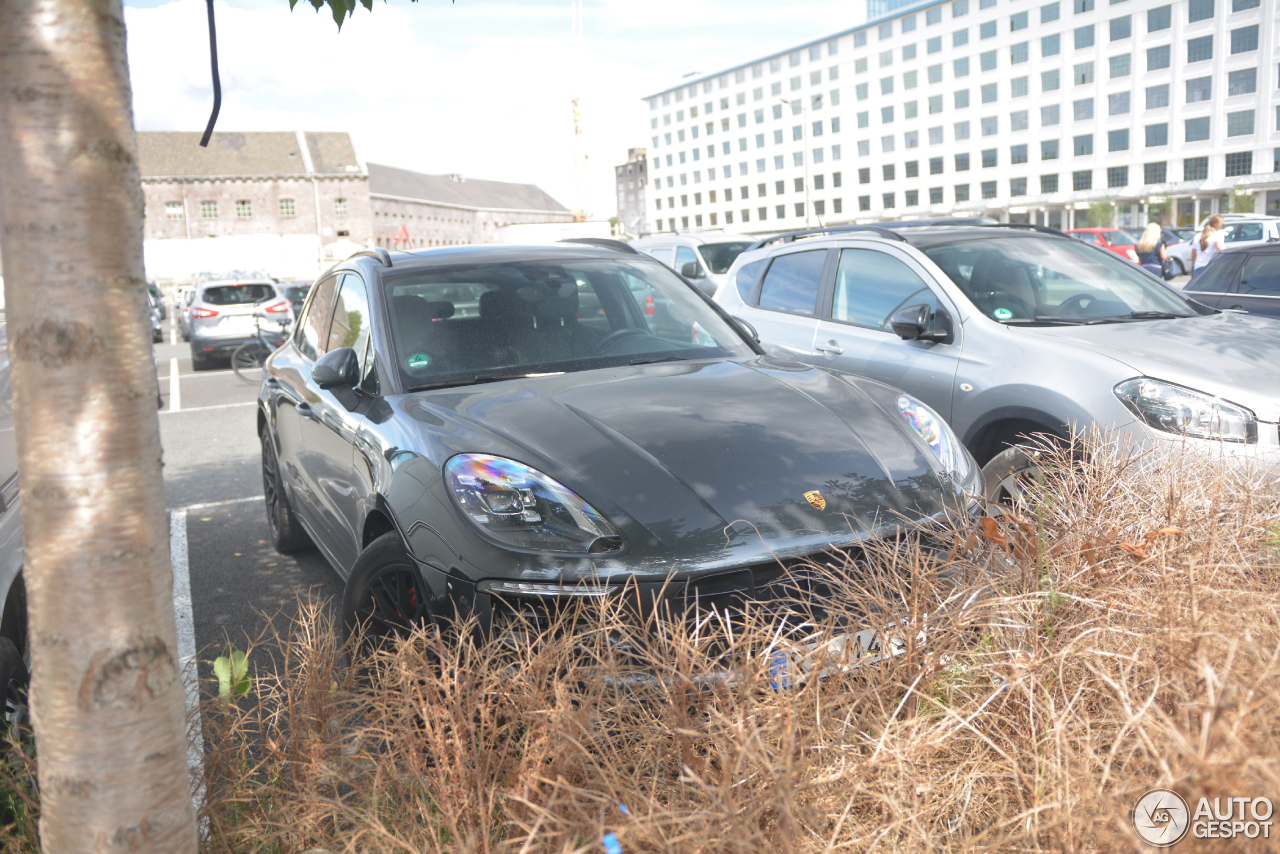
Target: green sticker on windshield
418,361
1002,314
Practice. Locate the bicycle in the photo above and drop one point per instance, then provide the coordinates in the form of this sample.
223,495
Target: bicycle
248,359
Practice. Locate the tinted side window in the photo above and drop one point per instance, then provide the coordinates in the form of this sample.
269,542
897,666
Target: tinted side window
1218,276
792,282
871,286
350,325
310,336
1261,276
747,276
683,256
1244,231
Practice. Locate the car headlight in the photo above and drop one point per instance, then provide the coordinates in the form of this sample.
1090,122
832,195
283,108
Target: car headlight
522,507
930,427
1186,412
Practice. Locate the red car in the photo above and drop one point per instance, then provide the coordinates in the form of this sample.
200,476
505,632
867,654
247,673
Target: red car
1122,241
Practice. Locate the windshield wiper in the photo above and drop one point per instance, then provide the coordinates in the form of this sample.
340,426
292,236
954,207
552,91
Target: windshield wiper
650,360
1045,318
1137,315
482,377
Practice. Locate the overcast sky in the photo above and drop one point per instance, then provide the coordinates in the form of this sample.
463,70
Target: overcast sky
480,87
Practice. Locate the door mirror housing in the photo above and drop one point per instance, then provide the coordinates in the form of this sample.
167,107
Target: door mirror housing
747,328
912,324
692,270
337,368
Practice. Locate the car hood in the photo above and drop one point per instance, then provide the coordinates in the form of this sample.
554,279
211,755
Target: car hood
1233,356
706,461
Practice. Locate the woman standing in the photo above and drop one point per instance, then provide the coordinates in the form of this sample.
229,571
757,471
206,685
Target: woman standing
1151,252
1207,246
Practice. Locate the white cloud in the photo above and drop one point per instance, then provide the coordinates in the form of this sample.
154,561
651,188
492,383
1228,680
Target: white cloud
473,87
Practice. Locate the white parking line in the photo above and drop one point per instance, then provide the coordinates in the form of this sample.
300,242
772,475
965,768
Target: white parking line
173,327
208,408
185,621
175,387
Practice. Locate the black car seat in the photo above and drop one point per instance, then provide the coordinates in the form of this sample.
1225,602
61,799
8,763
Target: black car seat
422,330
507,335
998,285
555,310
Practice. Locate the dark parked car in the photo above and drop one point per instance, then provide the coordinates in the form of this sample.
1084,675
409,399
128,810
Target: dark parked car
1246,278
534,452
296,294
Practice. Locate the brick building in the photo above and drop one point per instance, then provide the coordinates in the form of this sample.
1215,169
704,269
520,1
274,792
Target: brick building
291,203
412,210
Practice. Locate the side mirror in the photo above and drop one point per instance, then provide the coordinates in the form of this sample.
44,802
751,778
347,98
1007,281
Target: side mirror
692,270
912,324
340,367
748,329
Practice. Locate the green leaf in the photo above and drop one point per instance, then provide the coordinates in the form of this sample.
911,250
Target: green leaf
232,671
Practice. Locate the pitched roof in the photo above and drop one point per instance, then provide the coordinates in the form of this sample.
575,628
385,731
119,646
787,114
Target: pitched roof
178,153
455,190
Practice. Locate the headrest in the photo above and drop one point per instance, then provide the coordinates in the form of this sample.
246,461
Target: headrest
501,303
559,299
411,309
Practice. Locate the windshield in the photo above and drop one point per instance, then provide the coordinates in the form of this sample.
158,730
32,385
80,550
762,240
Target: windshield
237,294
475,323
720,256
1043,279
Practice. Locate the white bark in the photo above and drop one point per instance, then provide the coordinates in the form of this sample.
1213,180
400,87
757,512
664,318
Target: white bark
107,700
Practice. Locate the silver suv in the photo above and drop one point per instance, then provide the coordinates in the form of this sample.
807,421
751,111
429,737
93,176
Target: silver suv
220,316
1237,230
1012,331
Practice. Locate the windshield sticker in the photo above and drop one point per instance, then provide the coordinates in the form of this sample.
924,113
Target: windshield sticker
1002,314
418,361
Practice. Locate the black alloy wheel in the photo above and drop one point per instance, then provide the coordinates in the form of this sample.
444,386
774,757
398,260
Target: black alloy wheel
384,594
13,688
287,534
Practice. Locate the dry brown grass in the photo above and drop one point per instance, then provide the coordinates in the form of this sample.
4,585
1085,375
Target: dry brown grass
1129,638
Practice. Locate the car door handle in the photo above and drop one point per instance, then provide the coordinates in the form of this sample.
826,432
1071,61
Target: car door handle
831,348
304,409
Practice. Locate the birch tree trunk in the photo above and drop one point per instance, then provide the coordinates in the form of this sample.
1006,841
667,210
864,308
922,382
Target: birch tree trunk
107,698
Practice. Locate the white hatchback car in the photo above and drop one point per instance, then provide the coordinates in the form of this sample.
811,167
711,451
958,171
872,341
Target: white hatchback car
1240,230
702,258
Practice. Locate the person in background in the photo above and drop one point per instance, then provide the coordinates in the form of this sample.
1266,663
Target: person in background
1151,252
1207,246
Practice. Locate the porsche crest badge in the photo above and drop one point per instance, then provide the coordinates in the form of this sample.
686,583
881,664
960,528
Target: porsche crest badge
815,498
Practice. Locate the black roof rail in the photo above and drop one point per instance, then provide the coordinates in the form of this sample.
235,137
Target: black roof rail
790,236
383,256
1043,229
616,245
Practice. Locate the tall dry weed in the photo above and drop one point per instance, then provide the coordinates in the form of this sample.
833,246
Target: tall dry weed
1038,672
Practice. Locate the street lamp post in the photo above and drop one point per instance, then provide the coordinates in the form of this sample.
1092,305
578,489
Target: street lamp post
797,106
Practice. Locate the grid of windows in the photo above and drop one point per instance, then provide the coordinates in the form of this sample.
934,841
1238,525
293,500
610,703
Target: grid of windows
244,209
208,210
287,208
1142,40
1239,163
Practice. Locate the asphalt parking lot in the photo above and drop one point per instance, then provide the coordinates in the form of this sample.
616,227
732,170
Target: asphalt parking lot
213,490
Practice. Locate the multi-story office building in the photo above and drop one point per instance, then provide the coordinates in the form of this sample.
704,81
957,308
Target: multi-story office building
630,180
1023,110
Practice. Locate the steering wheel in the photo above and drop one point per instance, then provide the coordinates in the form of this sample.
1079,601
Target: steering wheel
607,343
1077,303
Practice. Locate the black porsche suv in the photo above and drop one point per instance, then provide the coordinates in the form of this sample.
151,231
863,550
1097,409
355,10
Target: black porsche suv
550,440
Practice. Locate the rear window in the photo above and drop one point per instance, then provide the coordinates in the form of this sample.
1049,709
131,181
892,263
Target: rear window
237,294
296,293
720,256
